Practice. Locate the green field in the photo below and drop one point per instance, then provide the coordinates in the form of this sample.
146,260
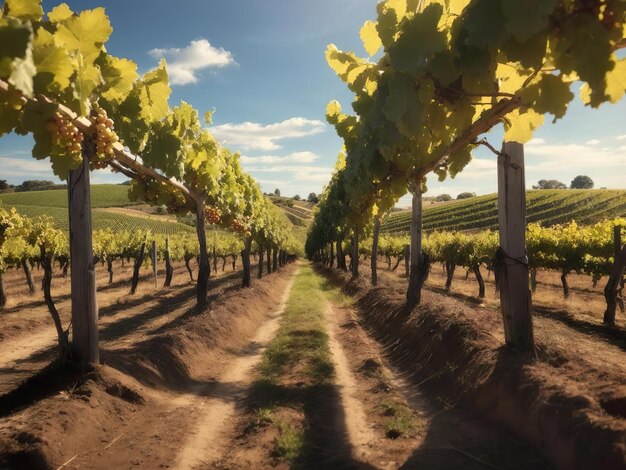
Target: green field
548,207
102,195
53,203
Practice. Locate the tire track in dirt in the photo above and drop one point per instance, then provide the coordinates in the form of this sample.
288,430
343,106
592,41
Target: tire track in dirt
209,439
360,434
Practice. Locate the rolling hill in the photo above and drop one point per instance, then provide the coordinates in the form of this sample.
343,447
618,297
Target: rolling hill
548,207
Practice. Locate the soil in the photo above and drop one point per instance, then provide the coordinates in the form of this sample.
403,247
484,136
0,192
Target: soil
431,389
559,402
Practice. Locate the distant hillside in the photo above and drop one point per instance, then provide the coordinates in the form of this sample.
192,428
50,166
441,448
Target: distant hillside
299,213
103,197
548,207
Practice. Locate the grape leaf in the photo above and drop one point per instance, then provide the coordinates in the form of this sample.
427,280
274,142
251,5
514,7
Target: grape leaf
485,24
85,33
551,94
118,75
370,38
519,127
24,9
54,67
525,19
60,13
418,41
616,81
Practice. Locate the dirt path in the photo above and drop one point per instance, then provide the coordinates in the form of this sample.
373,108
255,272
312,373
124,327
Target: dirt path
361,437
211,435
392,424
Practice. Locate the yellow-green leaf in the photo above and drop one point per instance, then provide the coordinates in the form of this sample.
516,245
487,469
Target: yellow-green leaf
86,33
519,127
60,13
25,9
119,76
54,67
616,81
370,38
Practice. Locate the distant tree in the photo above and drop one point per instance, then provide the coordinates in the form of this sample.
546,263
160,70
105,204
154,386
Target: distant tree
550,184
443,198
582,182
4,185
297,197
466,195
277,192
312,198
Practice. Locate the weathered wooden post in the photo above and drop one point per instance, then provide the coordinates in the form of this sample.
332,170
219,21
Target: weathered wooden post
374,260
416,280
515,297
83,275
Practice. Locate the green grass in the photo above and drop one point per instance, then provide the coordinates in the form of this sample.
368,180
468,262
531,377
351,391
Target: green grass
399,420
548,207
299,354
301,340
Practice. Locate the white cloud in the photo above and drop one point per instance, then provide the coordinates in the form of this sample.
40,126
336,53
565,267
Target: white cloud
25,168
255,136
536,141
296,157
556,157
184,63
621,137
592,142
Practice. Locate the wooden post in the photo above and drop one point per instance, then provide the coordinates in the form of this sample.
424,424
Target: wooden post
374,260
515,297
83,275
416,273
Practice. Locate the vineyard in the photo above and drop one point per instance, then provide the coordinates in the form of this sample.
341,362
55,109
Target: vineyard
545,207
186,319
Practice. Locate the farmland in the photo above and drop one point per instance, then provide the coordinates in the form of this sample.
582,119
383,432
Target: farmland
209,324
547,207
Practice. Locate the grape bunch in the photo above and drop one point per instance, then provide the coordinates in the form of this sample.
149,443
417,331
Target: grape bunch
213,215
240,228
65,135
106,136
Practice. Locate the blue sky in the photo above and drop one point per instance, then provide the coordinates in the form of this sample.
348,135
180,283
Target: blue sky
260,64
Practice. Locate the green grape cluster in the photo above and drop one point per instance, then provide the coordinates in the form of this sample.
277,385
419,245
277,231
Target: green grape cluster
66,138
105,137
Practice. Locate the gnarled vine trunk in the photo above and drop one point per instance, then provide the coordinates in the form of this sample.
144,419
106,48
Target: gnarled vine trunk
355,252
136,267
418,263
613,286
374,262
169,270
565,284
3,293
481,282
245,261
260,275
29,275
202,286
62,336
